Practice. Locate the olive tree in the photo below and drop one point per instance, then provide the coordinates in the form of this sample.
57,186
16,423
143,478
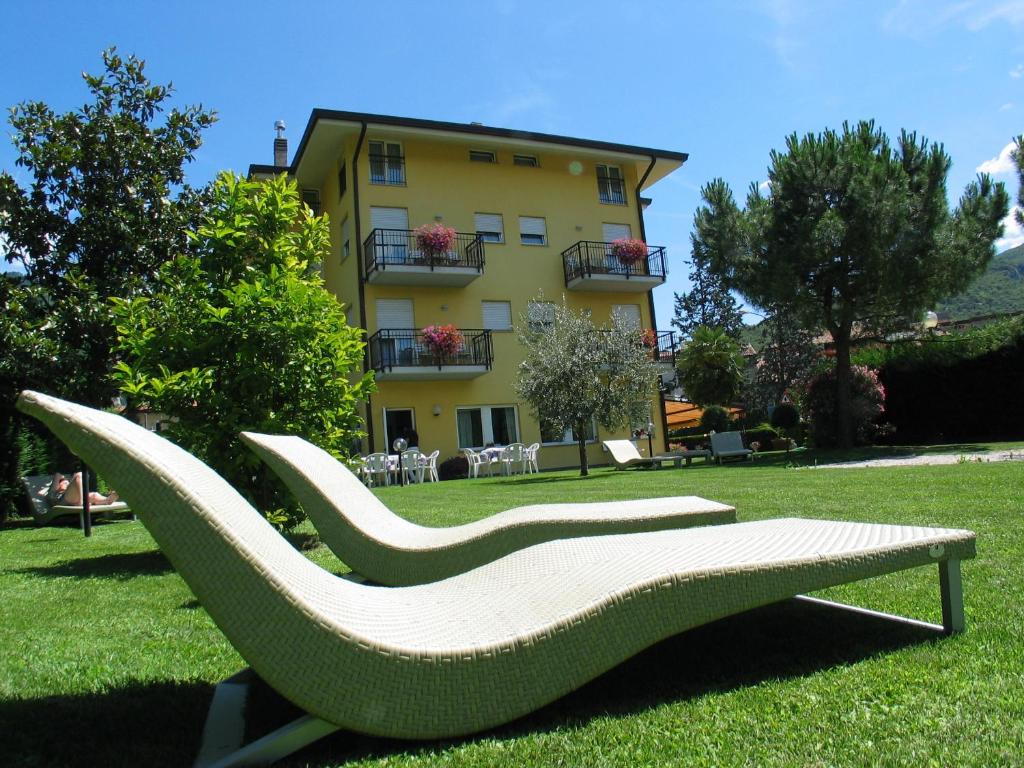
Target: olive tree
574,372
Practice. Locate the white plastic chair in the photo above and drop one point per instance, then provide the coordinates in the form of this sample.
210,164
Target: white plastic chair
412,465
531,458
377,466
475,460
430,466
513,454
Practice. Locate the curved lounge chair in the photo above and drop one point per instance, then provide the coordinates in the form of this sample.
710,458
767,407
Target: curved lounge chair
481,648
43,513
388,549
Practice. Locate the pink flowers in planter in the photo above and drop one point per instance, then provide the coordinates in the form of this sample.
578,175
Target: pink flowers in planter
629,251
442,340
434,239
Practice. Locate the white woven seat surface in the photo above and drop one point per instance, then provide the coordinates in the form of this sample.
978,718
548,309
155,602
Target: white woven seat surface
480,648
389,549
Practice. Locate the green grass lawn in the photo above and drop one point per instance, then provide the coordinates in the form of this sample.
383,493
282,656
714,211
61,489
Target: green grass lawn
107,659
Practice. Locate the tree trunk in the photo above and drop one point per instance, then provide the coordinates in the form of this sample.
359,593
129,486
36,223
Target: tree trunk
843,416
581,441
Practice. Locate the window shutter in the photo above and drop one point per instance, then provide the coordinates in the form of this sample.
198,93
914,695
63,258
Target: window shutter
532,225
389,218
628,312
497,315
394,313
613,232
487,222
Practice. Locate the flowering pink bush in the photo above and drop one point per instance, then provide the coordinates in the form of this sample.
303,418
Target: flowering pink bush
443,340
867,400
629,251
434,239
649,338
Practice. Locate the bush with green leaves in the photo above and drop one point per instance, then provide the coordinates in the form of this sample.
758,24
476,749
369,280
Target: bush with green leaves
244,336
453,468
710,367
867,402
785,416
715,419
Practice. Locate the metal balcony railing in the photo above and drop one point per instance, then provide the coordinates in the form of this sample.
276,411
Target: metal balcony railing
398,247
661,344
407,347
587,258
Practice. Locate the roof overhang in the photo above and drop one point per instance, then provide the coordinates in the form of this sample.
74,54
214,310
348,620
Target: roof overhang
328,130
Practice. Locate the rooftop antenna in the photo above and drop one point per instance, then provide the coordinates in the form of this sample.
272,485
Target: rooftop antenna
279,126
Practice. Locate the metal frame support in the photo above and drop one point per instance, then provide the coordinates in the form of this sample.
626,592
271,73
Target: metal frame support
224,731
951,593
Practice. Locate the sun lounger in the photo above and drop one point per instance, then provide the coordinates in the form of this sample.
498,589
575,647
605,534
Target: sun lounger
729,445
481,648
36,487
388,549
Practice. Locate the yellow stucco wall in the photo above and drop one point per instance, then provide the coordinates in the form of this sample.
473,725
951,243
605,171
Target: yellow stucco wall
442,182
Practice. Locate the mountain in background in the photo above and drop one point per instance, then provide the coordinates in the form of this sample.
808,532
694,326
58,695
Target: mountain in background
1000,288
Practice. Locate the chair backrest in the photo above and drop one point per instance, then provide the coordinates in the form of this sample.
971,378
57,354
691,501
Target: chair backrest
622,451
472,456
377,463
725,442
36,488
432,458
533,448
513,452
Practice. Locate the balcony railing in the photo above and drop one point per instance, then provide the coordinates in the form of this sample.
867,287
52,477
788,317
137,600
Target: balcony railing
392,348
398,248
662,345
387,169
588,258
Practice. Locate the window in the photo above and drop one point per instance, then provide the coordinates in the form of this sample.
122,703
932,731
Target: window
540,315
482,156
497,315
399,422
486,425
629,314
551,436
342,180
311,197
489,226
346,238
528,161
532,231
610,188
387,165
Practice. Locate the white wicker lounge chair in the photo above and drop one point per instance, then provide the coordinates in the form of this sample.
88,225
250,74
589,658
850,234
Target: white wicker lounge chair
388,549
625,455
478,649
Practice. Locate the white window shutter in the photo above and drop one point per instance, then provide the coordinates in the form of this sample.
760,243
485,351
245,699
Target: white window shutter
532,225
394,313
630,313
497,315
487,222
612,232
389,218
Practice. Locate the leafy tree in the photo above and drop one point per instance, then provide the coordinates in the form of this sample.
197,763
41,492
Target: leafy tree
853,232
710,367
715,418
245,337
709,301
787,355
867,402
107,204
574,373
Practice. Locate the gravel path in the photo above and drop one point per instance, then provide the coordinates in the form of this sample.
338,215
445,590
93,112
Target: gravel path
927,459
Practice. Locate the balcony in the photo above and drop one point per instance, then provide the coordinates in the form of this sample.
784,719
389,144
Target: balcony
661,345
590,266
400,354
392,257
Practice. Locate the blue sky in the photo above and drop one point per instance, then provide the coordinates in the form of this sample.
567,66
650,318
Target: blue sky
724,81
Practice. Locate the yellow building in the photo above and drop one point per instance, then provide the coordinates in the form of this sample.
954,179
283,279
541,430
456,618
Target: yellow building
534,213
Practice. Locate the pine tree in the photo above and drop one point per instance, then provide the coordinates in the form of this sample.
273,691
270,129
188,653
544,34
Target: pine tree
709,302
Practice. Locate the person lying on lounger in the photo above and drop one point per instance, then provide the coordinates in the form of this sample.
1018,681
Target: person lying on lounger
68,493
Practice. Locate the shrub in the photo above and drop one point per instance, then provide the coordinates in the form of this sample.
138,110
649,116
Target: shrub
716,418
785,416
867,399
454,468
763,434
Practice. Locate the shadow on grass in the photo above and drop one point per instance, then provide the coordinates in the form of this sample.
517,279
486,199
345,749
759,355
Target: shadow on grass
115,728
121,567
785,640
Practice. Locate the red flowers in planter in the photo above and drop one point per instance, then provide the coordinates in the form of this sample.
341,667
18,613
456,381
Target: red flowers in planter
629,251
442,340
434,239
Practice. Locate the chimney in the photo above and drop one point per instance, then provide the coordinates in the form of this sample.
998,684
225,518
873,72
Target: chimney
280,145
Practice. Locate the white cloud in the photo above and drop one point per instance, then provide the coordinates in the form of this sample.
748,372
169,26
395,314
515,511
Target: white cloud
1002,164
1013,233
1017,72
765,185
917,17
1006,107
785,15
